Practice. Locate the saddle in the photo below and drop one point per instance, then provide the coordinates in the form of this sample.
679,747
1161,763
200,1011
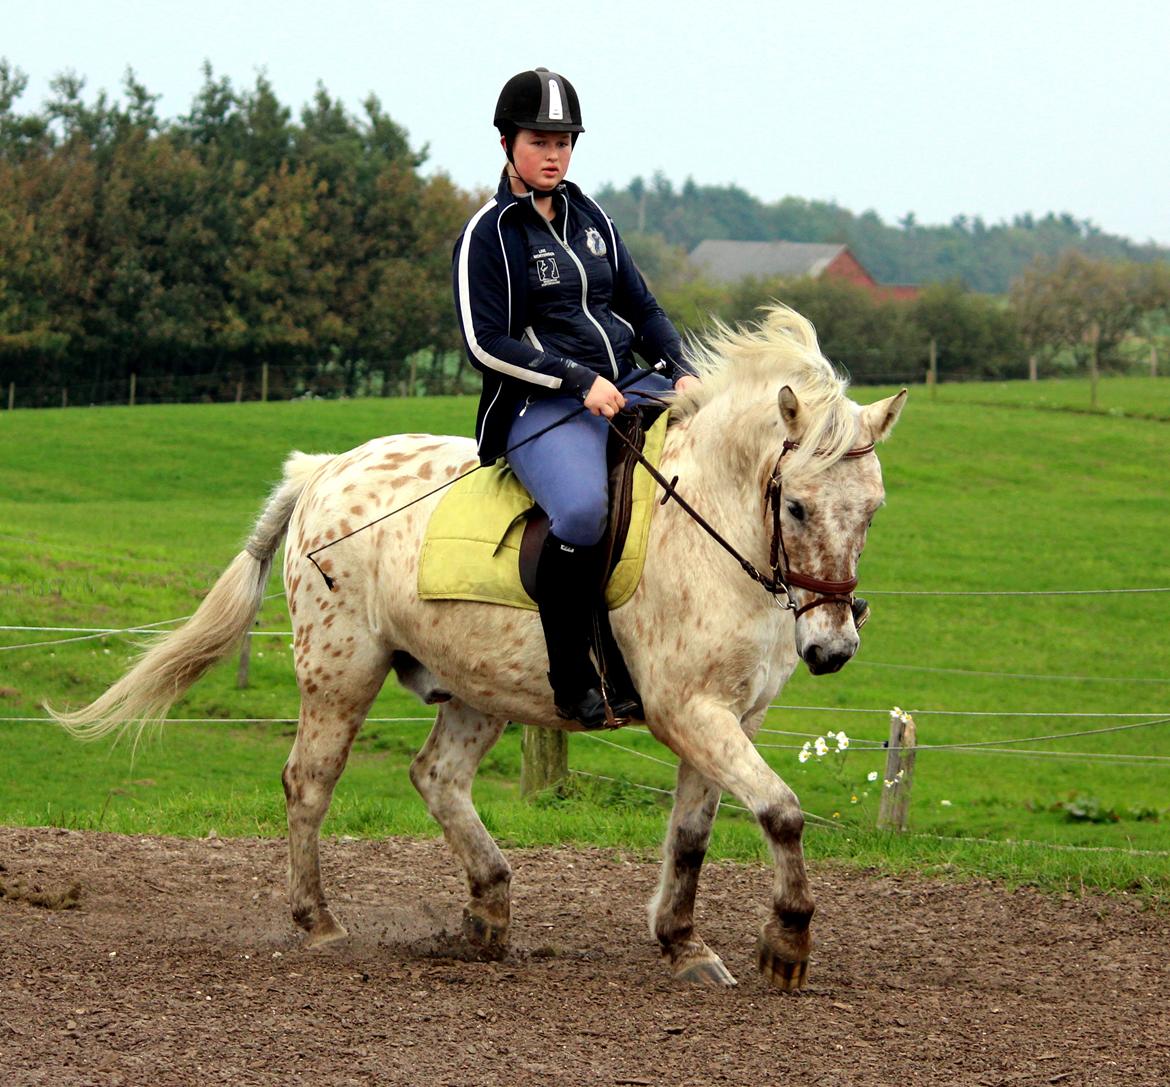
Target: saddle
473,542
621,462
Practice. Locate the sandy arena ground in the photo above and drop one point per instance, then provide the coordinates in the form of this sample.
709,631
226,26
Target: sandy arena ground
179,965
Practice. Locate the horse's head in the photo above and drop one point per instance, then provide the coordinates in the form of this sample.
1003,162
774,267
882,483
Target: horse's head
827,497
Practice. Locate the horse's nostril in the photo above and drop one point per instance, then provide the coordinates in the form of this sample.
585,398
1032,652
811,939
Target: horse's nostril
822,662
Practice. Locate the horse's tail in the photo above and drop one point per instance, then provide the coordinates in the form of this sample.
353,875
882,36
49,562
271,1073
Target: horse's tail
173,663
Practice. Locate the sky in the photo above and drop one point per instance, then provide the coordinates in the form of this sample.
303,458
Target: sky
941,108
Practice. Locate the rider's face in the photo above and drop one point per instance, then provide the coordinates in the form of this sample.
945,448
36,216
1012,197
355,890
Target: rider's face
542,158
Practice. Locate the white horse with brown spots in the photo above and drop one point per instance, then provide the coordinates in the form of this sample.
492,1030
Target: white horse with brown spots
707,647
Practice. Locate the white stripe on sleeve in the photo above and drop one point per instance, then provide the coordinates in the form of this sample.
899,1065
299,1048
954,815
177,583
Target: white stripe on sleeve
489,360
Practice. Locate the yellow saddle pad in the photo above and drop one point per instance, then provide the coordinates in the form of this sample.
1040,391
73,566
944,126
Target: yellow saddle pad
471,550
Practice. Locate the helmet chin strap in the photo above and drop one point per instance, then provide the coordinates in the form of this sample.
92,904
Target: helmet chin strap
530,190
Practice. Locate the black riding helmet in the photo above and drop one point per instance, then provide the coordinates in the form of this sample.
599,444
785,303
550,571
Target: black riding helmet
539,100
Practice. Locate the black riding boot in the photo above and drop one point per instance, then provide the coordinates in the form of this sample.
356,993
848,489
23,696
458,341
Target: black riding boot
565,591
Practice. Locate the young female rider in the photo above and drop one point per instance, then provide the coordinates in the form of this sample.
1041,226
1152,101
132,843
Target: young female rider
552,310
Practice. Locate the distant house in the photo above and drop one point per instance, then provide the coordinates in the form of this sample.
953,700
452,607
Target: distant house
729,262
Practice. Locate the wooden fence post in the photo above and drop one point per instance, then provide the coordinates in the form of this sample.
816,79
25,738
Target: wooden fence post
264,381
245,662
1153,360
899,779
932,373
65,397
11,395
133,388
544,758
1094,363
1033,375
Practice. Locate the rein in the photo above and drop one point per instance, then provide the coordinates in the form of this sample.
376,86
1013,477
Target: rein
782,577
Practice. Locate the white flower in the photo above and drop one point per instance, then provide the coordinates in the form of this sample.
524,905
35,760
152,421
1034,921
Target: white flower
871,776
842,741
821,747
829,735
805,752
945,803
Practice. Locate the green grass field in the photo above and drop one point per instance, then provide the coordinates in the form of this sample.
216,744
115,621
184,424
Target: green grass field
117,517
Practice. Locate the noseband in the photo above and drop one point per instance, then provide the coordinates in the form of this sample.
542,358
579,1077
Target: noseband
783,577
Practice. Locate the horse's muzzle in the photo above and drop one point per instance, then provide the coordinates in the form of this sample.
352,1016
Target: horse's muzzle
829,655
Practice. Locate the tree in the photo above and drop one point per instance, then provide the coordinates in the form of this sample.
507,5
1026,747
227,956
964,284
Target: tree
1086,306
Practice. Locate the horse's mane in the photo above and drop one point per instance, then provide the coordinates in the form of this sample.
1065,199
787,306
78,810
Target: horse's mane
743,369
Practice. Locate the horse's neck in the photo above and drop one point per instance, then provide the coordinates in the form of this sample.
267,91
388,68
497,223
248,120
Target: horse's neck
716,454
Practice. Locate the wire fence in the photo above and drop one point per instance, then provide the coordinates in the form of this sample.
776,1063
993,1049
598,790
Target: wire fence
1126,721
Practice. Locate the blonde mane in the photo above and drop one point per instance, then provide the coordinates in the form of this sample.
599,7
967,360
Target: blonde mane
743,369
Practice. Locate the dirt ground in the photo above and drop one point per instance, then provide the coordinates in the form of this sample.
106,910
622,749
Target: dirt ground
175,963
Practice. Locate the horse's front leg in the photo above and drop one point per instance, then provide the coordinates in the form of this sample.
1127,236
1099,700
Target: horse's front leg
672,910
710,739
442,772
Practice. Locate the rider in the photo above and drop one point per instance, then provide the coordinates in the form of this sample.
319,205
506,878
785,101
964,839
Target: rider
552,309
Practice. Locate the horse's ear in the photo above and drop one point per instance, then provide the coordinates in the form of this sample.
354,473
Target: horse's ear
790,411
881,416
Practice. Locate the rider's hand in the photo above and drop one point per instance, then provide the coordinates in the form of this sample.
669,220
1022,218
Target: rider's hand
604,398
686,382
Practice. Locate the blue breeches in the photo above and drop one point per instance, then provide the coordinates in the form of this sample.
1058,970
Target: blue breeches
565,470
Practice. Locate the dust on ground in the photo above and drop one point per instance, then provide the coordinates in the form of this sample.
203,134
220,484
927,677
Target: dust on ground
178,964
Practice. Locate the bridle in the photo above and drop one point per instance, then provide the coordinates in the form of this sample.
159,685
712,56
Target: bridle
782,578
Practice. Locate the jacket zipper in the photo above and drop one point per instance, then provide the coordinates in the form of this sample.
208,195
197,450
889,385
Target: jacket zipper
564,244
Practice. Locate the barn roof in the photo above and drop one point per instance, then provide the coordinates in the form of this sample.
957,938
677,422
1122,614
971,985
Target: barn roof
726,261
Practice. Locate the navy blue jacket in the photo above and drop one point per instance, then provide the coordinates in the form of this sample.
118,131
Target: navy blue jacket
544,307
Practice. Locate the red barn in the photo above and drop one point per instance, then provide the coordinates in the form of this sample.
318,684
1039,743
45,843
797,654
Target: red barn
728,262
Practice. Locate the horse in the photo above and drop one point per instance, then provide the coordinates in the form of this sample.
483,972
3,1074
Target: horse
778,460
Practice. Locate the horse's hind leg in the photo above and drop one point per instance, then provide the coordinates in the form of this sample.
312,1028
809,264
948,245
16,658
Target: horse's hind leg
334,705
442,772
672,910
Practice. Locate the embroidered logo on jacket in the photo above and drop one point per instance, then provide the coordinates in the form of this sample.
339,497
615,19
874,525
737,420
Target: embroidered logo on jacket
547,272
594,242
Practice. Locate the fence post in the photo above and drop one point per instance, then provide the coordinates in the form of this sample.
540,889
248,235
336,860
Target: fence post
239,392
264,381
1033,375
899,779
932,373
544,758
1094,362
1153,360
133,388
65,397
245,662
11,395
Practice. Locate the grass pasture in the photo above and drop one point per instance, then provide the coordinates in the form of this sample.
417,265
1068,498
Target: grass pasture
117,517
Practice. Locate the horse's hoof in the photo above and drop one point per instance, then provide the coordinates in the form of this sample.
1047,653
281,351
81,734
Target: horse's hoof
710,972
785,975
489,938
327,930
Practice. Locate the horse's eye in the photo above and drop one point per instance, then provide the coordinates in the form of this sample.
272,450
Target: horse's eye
796,509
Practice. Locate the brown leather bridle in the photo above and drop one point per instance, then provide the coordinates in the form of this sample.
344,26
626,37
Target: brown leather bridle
782,578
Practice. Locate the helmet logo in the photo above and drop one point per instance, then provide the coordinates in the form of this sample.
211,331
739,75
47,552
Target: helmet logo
594,242
556,111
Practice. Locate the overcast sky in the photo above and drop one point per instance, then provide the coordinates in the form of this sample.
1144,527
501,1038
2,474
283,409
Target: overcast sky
942,108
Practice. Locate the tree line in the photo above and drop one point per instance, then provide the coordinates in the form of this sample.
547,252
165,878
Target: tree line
210,244
985,258
196,252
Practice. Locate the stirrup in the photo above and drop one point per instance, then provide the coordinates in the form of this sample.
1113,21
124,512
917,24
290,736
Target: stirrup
590,711
860,608
627,706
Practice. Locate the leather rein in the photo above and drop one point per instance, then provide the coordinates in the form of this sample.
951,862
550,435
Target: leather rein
782,578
